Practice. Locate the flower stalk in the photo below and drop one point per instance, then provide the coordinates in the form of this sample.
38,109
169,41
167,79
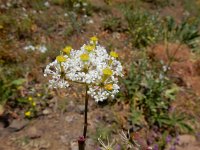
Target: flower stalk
82,139
85,114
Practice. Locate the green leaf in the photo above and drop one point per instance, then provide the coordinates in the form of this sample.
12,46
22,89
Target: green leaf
170,93
18,82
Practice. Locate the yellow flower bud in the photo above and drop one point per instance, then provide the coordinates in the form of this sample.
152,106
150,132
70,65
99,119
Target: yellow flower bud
28,114
84,57
89,48
108,87
94,39
113,54
107,71
33,104
67,50
30,98
61,58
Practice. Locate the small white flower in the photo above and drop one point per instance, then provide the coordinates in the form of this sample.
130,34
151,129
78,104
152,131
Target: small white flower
77,5
8,4
66,14
29,47
47,4
85,4
42,48
90,21
165,68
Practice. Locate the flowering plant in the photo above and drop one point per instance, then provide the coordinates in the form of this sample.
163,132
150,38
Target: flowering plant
91,66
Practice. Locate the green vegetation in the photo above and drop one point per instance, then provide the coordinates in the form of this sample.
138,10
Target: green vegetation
151,94
146,28
155,93
112,24
186,32
142,26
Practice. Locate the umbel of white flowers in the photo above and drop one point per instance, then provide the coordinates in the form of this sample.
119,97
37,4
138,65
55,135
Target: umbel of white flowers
91,65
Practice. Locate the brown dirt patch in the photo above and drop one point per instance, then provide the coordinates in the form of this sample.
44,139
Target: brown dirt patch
185,72
165,53
176,11
182,67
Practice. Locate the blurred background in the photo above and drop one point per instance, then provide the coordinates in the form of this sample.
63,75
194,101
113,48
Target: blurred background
158,42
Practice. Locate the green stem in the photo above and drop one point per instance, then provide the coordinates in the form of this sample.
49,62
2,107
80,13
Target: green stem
170,56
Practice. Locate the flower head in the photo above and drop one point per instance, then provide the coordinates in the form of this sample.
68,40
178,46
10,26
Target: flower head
61,58
108,87
113,54
84,57
33,103
89,48
28,114
94,40
67,50
107,71
30,98
90,65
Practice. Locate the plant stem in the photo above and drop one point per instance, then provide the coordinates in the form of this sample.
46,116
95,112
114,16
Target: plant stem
82,139
85,114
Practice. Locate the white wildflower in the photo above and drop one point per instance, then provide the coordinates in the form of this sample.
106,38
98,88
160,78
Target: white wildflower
42,48
29,47
165,68
66,14
8,4
91,65
90,21
77,5
85,4
47,4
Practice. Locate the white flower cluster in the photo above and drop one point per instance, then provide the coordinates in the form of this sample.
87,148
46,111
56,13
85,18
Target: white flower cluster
40,48
91,65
